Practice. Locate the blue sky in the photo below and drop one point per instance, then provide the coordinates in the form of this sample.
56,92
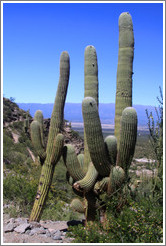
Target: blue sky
35,34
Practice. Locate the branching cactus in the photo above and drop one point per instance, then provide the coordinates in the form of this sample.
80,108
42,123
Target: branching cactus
52,154
105,164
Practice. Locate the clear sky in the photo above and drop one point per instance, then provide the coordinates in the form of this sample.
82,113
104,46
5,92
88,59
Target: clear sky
35,34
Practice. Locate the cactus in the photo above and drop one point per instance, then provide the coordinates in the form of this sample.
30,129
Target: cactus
106,162
26,122
87,183
128,135
77,205
94,135
55,138
124,70
90,88
39,118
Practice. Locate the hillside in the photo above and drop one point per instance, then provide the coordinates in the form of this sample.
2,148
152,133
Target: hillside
21,168
21,172
73,111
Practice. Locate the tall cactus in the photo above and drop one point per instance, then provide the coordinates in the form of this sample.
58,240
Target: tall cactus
55,138
106,162
124,69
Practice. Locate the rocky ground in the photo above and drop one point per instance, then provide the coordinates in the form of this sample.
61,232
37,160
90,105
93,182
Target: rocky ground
20,230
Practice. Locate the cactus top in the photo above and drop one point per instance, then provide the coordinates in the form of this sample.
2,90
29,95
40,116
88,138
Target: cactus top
90,55
126,37
64,65
129,113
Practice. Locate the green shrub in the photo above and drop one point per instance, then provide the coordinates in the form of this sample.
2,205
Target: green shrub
20,190
135,224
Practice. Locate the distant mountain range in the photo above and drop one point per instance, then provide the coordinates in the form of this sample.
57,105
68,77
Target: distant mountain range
73,111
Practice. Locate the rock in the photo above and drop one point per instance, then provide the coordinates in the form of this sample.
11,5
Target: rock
52,231
57,225
21,220
11,220
48,234
35,224
39,230
22,228
57,235
28,231
57,238
9,227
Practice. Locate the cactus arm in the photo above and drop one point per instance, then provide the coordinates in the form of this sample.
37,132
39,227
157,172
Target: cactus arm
94,135
77,205
71,161
39,118
87,183
111,148
36,140
57,149
124,69
81,160
26,122
116,179
101,186
91,73
90,88
69,179
128,137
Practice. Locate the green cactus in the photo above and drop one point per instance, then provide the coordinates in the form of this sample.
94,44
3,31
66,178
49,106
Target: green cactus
124,70
26,122
128,137
87,183
72,163
94,135
77,205
100,155
90,88
105,163
37,141
39,118
55,139
101,186
111,148
116,179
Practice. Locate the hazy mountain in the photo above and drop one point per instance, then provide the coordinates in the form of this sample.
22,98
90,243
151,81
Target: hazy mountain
73,111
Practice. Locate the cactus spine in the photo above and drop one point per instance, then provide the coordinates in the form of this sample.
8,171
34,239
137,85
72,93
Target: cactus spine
124,70
55,139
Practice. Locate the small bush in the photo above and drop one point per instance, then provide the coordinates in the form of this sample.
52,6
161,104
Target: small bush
20,190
